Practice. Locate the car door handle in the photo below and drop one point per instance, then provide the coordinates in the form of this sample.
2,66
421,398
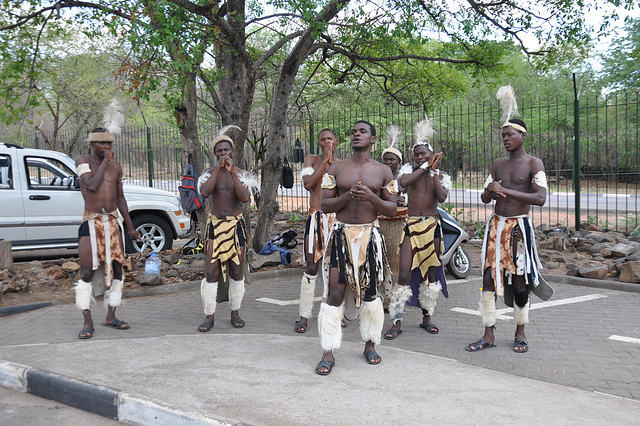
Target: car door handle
39,197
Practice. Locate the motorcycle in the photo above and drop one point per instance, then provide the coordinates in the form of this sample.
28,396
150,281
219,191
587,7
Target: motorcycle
455,257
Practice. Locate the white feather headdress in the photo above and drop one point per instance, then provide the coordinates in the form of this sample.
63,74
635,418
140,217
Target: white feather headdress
509,106
113,119
392,137
221,136
424,132
508,103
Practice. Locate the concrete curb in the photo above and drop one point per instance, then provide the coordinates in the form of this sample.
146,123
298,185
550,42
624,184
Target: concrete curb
101,400
590,282
10,310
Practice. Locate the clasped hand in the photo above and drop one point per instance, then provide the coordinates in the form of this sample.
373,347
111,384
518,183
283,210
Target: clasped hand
226,163
496,190
360,192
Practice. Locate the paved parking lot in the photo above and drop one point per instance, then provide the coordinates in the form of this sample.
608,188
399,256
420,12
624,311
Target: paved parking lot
585,341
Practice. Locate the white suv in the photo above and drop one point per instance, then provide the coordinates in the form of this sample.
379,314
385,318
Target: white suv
41,204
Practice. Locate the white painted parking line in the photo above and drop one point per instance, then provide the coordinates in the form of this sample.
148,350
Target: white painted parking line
500,313
317,299
284,302
567,301
624,339
465,280
477,313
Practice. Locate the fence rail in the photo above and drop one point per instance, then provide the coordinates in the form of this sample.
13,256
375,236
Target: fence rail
608,154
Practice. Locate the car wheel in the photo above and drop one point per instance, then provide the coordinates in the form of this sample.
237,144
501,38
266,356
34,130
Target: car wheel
459,265
155,234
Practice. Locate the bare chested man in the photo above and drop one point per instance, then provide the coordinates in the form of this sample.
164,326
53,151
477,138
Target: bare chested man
318,223
356,190
225,247
421,248
100,237
509,256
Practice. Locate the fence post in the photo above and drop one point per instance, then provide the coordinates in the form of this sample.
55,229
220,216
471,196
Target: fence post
454,169
150,156
576,150
312,139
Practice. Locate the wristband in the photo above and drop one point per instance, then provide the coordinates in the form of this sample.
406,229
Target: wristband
435,172
425,165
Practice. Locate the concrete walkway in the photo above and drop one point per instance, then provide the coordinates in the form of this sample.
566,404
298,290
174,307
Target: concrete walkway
162,371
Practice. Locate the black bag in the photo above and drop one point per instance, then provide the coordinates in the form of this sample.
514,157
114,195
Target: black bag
286,180
194,246
286,239
189,195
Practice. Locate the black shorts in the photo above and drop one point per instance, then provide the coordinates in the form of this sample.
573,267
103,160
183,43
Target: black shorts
83,231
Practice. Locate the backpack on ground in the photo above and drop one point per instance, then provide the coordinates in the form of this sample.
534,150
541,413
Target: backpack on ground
194,246
286,239
189,195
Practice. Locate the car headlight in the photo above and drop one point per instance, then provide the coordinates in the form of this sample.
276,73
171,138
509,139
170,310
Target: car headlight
178,212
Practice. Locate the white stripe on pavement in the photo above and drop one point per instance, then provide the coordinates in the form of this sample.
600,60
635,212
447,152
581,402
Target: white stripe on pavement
500,313
477,313
284,302
567,301
624,339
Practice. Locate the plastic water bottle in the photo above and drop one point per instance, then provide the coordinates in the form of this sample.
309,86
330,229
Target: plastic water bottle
152,265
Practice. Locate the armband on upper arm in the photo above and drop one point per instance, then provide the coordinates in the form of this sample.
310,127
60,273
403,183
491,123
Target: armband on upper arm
406,169
83,168
328,181
446,182
392,187
202,179
488,181
250,181
307,171
540,179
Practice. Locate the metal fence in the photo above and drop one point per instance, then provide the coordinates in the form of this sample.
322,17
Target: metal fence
600,137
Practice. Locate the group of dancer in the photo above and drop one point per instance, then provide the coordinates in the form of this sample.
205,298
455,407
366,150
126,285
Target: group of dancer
358,194
343,240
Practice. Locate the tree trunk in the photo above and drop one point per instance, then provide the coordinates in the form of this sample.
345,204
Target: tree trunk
236,90
272,168
186,119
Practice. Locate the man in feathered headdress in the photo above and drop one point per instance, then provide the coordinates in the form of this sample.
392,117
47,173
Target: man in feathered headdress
100,237
422,247
318,222
225,247
392,227
510,261
354,263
